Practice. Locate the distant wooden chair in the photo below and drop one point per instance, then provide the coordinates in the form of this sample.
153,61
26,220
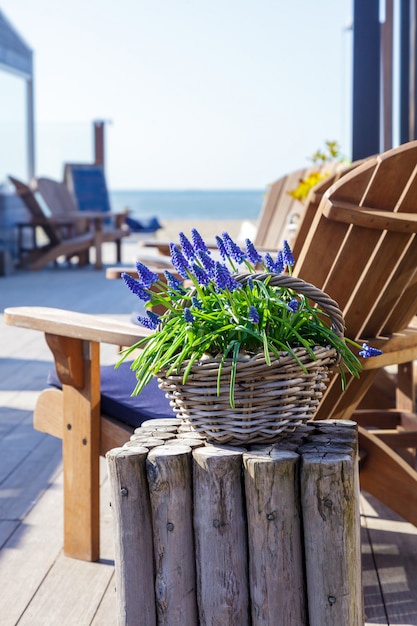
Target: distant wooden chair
280,217
361,248
282,214
61,236
88,186
106,226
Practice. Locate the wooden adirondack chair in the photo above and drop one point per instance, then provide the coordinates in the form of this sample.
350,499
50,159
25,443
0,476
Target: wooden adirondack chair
106,227
61,235
362,249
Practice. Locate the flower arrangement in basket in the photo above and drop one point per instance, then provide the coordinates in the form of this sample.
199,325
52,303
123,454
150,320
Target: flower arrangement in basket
244,348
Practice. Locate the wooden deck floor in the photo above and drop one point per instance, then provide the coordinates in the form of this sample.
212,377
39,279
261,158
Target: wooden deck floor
39,586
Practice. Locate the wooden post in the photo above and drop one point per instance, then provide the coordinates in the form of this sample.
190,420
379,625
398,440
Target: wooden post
134,569
98,126
220,536
276,572
329,501
170,487
276,529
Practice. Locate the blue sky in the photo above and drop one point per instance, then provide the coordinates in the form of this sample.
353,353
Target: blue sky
219,94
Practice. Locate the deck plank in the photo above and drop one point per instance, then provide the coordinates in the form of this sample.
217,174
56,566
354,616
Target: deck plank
73,590
394,547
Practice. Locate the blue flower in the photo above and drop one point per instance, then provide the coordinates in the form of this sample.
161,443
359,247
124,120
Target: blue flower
189,317
233,249
275,267
253,315
201,276
207,262
221,247
196,303
368,351
223,278
253,255
269,263
151,321
136,287
279,263
173,282
293,305
187,247
179,262
146,276
198,242
287,255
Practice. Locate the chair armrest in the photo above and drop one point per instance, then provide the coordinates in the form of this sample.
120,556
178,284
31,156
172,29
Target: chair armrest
74,325
349,213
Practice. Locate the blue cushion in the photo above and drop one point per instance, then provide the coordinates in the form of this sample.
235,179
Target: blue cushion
144,225
117,402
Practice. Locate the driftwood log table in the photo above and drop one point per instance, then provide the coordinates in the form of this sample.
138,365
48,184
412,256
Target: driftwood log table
221,535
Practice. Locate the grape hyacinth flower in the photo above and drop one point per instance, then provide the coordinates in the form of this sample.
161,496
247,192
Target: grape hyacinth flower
279,263
252,253
269,263
136,287
189,317
173,282
196,303
233,249
187,247
178,260
293,305
368,351
146,276
151,321
223,279
288,257
201,275
198,241
207,262
221,247
253,315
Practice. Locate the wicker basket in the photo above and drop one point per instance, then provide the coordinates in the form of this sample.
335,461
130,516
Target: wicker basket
270,400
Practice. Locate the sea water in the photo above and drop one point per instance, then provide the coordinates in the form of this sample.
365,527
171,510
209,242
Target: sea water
190,204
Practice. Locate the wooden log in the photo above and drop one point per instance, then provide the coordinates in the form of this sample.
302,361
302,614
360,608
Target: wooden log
330,505
220,536
276,571
134,570
170,488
